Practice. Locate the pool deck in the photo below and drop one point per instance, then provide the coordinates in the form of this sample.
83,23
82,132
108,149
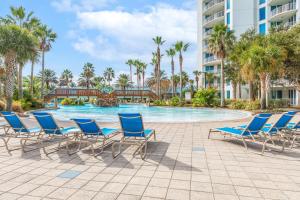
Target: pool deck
182,164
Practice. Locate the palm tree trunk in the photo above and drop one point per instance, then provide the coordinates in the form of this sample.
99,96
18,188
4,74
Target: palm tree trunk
10,64
20,81
156,74
250,83
158,71
173,73
43,77
130,73
197,83
263,91
239,90
31,78
222,84
180,82
234,86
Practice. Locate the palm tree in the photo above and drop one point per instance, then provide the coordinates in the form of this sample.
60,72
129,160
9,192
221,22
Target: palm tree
159,42
130,62
109,74
171,53
34,58
98,82
20,18
139,69
46,38
265,59
191,83
210,78
50,77
143,66
86,76
66,78
176,79
220,43
181,47
151,82
197,74
123,81
15,42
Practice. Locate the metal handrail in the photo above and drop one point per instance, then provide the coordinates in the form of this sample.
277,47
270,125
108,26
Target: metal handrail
283,8
213,3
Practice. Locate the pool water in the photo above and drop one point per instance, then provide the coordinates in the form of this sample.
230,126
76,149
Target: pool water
150,114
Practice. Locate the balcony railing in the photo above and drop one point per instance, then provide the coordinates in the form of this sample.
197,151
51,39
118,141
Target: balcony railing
208,33
214,16
210,59
284,25
283,8
212,3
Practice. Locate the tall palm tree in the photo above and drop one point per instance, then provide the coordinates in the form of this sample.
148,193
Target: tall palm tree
123,81
220,43
20,18
181,47
159,42
109,74
139,69
14,43
197,74
87,75
50,77
66,78
130,62
143,66
46,38
176,79
34,58
171,53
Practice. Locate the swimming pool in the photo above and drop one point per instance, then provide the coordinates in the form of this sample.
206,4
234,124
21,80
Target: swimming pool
150,114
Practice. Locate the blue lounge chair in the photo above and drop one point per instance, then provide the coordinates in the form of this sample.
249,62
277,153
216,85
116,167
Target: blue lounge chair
134,133
252,129
293,132
53,131
277,129
92,133
19,130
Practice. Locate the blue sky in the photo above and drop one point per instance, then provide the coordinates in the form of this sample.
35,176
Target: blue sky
108,32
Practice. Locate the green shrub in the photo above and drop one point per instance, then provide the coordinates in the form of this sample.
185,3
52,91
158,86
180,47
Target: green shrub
253,105
238,104
17,106
67,102
277,103
205,97
175,101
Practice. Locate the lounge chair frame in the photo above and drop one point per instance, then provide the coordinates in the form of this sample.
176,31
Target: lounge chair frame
91,139
141,142
242,136
62,137
18,133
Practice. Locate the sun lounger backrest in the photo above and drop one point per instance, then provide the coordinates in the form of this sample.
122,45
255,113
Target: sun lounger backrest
88,126
257,123
14,121
284,120
47,122
132,124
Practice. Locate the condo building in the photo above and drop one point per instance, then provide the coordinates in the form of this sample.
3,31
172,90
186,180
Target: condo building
239,16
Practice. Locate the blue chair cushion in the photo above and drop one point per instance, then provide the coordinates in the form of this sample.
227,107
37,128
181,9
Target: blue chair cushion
34,130
148,132
233,131
108,131
269,130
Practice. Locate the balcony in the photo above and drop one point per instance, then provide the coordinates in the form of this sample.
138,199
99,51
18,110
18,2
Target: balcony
214,6
284,25
206,34
277,2
211,60
216,18
283,12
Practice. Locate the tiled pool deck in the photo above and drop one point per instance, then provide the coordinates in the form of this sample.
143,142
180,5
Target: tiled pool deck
183,164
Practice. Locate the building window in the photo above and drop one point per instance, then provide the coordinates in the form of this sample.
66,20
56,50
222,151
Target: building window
228,94
262,13
262,2
228,4
262,29
228,18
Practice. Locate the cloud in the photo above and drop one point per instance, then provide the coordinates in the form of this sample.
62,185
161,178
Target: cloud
80,5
